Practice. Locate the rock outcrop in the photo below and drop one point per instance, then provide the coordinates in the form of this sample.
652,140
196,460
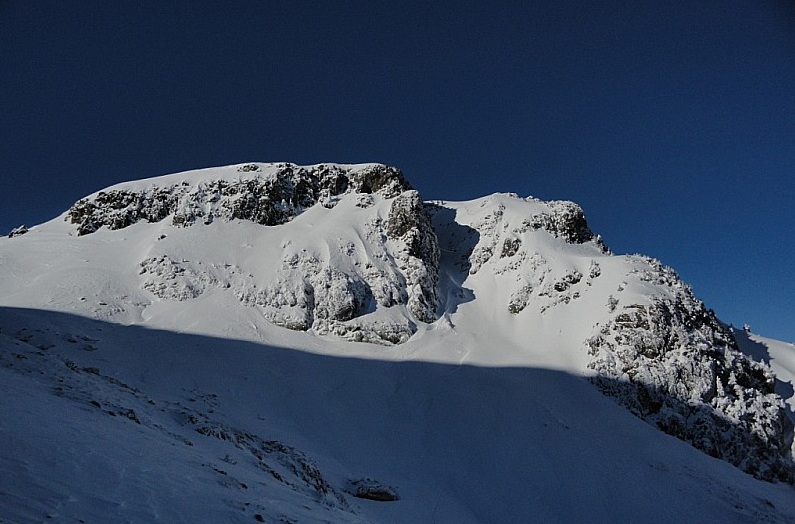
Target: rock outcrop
409,224
268,200
673,364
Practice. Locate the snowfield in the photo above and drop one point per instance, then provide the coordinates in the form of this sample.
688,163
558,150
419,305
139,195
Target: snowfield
281,343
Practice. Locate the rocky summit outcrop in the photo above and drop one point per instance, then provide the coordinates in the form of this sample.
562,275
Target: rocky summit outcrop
270,199
409,223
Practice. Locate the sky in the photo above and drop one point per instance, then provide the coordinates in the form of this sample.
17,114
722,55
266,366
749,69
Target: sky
671,123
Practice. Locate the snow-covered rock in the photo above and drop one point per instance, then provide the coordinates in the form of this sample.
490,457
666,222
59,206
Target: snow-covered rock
409,226
18,231
671,362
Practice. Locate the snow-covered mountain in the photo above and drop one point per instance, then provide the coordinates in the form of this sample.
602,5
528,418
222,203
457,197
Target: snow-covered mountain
282,343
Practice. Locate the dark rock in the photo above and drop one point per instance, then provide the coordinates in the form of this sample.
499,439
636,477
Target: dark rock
408,221
18,231
566,220
370,489
510,247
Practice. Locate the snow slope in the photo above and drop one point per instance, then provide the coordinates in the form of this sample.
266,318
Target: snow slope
148,374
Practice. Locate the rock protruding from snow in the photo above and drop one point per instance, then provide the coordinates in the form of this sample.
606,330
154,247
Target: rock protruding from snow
409,224
184,280
371,293
18,231
269,196
370,489
672,363
364,265
649,341
563,219
306,294
510,231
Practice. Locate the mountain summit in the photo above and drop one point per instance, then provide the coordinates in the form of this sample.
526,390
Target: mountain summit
401,320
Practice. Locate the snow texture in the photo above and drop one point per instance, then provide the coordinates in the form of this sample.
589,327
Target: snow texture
442,362
666,357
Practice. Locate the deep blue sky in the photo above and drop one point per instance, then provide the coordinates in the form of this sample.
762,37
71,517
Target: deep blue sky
672,123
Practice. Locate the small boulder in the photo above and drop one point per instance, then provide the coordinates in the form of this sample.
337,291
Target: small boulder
18,231
370,489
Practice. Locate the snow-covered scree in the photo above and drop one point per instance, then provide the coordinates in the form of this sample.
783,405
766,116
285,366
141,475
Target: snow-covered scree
438,366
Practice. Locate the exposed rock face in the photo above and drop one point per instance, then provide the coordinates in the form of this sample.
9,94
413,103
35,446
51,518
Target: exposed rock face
506,245
662,354
419,259
308,294
675,365
269,200
402,269
564,219
370,489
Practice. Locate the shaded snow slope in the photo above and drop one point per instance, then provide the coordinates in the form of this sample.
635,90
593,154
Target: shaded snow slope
113,423
444,354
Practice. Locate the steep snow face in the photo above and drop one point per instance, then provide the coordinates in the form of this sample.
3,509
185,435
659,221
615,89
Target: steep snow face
109,423
535,274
